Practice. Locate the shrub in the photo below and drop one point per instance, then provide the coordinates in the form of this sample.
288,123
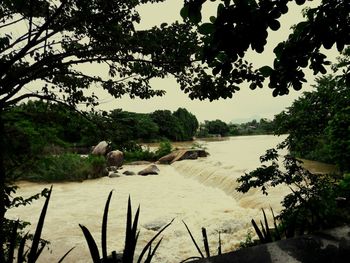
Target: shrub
65,167
309,206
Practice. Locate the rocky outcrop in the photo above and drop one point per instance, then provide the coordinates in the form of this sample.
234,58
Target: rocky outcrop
113,175
151,169
127,172
100,149
185,154
115,158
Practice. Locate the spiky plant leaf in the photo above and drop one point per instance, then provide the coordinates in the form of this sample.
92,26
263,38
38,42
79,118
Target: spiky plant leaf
153,238
152,252
277,232
267,228
205,241
65,255
193,240
190,258
104,227
12,242
219,248
257,231
33,253
95,255
20,253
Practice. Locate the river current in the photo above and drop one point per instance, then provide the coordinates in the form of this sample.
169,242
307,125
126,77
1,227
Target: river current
200,192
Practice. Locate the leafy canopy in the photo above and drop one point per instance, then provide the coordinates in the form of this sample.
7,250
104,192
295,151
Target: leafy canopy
243,25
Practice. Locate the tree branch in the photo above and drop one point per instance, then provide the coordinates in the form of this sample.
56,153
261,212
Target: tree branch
13,22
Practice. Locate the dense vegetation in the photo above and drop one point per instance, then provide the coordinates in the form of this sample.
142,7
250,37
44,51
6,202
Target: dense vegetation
57,37
220,128
318,123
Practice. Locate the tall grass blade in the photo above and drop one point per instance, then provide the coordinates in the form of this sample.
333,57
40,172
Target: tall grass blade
277,232
65,255
190,258
267,228
104,228
263,231
12,242
20,253
95,255
150,255
205,241
36,239
257,231
219,248
39,252
193,240
129,247
153,238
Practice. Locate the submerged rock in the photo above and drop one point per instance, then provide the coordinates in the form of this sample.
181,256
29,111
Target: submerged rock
127,172
113,175
151,169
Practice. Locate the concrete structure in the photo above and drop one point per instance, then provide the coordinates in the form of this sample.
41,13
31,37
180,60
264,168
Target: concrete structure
331,246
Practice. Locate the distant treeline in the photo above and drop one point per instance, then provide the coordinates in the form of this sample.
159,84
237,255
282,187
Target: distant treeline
36,126
220,128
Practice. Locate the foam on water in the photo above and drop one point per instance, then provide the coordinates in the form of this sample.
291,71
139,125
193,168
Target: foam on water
200,192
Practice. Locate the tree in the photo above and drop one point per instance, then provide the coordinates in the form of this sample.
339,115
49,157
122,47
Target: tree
188,122
308,119
243,25
54,40
217,127
169,126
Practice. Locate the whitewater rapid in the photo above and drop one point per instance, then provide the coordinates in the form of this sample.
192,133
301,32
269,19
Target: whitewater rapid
200,192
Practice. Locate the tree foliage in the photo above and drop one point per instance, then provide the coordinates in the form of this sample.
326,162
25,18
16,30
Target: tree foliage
317,123
243,25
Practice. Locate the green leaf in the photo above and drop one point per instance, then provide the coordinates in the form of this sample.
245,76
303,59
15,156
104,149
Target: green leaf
206,28
95,255
266,71
184,12
36,239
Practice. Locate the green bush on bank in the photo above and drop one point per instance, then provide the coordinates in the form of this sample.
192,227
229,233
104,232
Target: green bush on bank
65,167
140,154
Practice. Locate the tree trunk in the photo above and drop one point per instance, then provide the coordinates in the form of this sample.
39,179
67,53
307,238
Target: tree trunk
2,187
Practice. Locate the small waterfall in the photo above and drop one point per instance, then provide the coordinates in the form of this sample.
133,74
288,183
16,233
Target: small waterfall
224,177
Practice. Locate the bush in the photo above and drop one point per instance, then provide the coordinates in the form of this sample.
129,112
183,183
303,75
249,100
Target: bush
65,167
310,206
140,154
163,149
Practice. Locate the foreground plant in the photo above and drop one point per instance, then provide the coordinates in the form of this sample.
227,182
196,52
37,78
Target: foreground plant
205,243
311,204
131,238
32,254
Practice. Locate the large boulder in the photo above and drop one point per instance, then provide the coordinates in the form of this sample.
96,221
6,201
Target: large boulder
115,158
100,149
151,169
185,154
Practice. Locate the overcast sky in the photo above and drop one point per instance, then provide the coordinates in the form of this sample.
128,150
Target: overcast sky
246,104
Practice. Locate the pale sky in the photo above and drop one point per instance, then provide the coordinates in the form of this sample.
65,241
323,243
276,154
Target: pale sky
244,105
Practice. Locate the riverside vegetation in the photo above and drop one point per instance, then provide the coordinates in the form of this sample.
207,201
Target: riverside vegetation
59,36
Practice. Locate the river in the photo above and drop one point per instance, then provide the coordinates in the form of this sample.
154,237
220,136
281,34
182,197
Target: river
200,192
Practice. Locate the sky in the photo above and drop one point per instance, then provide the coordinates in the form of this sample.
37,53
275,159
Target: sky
245,104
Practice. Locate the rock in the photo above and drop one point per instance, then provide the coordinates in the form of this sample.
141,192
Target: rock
151,169
167,159
113,175
180,155
115,158
129,173
139,163
155,225
100,148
